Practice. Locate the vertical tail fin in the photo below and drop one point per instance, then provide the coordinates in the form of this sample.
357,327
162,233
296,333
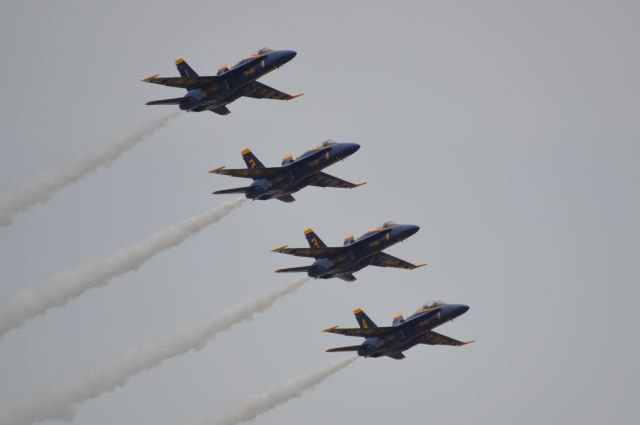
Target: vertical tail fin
184,69
363,320
313,239
251,160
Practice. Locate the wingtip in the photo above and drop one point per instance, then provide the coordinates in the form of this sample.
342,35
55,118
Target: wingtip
149,78
333,328
417,266
359,184
297,95
469,342
217,170
279,249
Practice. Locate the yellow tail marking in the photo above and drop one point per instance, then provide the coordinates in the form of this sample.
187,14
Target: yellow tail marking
179,61
246,151
309,230
357,311
364,324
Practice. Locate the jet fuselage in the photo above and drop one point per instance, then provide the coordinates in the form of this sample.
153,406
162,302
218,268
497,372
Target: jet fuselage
299,173
407,334
230,84
358,254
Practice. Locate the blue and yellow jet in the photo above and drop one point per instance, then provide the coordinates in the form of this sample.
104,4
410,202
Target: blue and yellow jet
354,255
293,175
403,334
214,93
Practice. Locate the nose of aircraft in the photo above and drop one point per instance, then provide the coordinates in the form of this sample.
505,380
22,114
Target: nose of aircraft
407,230
346,149
280,57
458,309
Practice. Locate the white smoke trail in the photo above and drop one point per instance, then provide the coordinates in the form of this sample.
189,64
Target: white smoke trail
66,286
272,397
59,402
40,188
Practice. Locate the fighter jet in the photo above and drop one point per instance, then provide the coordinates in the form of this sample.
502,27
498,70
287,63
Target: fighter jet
403,334
213,93
295,174
354,255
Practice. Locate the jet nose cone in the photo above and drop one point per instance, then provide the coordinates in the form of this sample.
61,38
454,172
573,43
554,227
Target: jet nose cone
349,148
410,229
456,310
285,56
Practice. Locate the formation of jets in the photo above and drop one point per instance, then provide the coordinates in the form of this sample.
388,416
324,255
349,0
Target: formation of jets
214,93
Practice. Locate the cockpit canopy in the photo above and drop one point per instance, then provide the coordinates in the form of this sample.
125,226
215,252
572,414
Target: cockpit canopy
264,51
326,143
433,304
388,224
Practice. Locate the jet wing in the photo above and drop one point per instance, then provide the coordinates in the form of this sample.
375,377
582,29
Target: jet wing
348,277
286,198
221,110
309,252
397,356
181,82
385,260
326,180
363,332
262,91
250,173
434,338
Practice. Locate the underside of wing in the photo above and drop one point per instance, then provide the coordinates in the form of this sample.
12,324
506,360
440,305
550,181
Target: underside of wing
286,198
326,180
397,356
309,252
363,332
434,338
181,82
250,173
382,259
262,91
221,110
348,277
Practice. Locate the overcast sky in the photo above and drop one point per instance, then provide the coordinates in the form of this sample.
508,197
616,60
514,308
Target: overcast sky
507,130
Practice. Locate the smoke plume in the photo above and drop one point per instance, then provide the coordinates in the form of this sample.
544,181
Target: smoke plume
58,402
40,188
66,286
272,397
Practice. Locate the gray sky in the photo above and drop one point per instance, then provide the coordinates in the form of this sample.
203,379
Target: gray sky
507,130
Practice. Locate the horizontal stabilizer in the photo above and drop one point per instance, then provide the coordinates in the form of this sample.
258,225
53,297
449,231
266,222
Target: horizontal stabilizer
174,101
309,252
349,348
249,173
235,190
362,332
182,82
294,269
